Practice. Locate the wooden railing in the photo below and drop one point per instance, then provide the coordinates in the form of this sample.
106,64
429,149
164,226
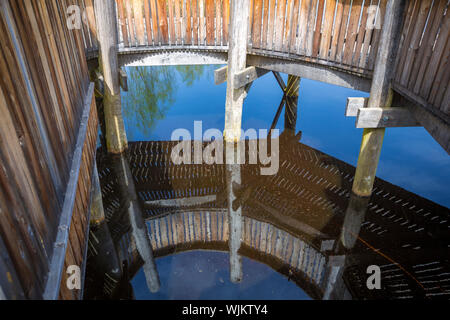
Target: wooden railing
48,131
342,34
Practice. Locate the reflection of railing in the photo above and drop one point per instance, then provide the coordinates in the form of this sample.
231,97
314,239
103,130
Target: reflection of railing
307,199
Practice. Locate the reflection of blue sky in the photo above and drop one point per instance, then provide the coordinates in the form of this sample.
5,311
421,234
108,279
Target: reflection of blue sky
410,157
206,275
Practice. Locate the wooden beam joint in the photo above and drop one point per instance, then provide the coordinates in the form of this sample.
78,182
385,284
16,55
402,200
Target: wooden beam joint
385,118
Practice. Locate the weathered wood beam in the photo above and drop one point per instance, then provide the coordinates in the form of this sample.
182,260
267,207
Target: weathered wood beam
116,139
385,118
220,75
123,79
241,79
381,95
247,76
354,104
310,71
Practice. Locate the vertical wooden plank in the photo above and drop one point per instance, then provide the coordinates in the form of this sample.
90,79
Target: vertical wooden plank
195,23
256,33
265,24
171,17
202,22
148,23
327,29
138,12
352,32
225,20
318,28
122,22
188,22
271,28
155,33
279,26
218,26
162,17
209,22
178,21
337,27
311,23
361,35
130,22
376,35
303,27
342,31
292,47
91,19
288,25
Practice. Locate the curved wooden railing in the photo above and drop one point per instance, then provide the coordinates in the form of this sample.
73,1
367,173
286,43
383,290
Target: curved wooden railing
342,34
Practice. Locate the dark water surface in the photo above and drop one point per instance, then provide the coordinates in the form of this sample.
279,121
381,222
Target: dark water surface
304,234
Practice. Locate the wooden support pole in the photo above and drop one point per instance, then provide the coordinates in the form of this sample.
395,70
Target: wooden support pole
237,59
107,38
380,97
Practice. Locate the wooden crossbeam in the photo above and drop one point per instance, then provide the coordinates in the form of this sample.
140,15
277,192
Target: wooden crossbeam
241,79
123,79
247,76
220,75
385,118
354,104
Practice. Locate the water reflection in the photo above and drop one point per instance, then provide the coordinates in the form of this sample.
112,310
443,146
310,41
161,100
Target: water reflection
303,223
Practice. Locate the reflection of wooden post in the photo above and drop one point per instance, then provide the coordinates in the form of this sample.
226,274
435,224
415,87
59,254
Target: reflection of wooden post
237,59
290,113
138,226
107,38
235,223
380,97
354,217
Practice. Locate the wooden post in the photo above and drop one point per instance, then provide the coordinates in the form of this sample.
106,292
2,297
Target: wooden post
380,97
237,59
107,38
290,112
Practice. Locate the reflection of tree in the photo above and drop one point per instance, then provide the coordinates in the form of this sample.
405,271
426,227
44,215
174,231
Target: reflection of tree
151,92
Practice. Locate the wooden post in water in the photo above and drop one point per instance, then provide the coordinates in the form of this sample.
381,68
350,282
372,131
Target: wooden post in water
380,97
290,111
237,60
105,12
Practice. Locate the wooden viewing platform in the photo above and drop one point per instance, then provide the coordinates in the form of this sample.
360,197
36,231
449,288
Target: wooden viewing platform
397,50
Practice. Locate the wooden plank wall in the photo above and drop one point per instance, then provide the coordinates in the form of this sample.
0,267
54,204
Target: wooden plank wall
43,85
423,60
342,33
172,22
